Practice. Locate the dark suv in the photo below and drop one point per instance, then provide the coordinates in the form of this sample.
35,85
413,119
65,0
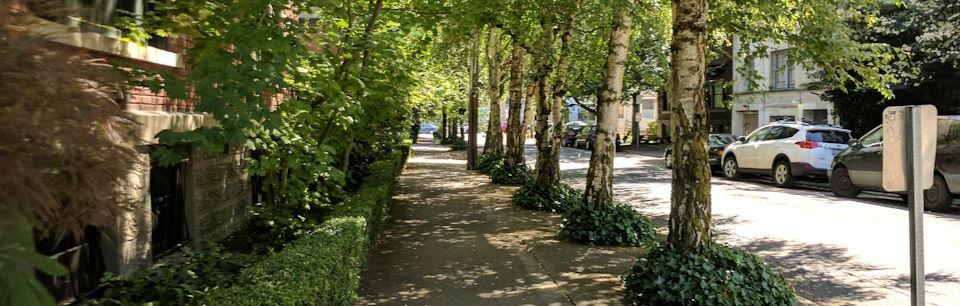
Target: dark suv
861,166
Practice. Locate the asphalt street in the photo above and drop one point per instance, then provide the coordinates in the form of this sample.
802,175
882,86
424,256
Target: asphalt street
835,251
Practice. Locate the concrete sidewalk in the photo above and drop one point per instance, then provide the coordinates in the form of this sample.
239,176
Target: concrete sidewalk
454,238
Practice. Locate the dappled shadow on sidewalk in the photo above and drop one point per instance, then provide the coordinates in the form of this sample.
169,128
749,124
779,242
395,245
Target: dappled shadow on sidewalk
454,238
826,273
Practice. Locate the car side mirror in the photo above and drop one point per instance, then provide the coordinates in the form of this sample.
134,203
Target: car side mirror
742,139
853,142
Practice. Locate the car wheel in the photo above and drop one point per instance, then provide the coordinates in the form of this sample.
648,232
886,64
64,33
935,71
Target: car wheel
668,160
782,175
842,185
938,197
731,170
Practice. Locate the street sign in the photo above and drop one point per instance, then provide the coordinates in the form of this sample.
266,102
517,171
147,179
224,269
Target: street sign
909,151
896,152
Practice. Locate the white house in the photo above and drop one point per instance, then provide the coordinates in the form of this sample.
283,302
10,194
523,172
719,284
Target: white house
782,93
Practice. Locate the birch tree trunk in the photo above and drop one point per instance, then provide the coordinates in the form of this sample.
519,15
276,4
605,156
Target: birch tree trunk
690,200
494,142
543,59
529,106
548,171
600,174
514,154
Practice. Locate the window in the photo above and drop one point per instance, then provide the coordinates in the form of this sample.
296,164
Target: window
948,136
102,16
781,70
873,138
647,110
664,104
781,118
828,136
758,135
715,95
780,132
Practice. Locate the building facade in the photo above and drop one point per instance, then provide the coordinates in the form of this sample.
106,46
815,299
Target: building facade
718,89
204,197
783,91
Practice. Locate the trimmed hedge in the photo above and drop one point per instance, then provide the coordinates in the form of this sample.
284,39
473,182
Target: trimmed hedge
323,268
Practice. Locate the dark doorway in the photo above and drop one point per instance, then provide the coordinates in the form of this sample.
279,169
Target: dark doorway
167,204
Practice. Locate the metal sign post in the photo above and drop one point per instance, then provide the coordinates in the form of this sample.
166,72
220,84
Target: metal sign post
909,152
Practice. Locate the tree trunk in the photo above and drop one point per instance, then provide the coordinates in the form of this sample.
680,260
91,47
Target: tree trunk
494,141
690,200
514,154
549,172
529,106
635,125
600,174
443,125
543,58
474,102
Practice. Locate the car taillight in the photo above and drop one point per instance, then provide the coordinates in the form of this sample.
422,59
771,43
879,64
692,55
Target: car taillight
808,144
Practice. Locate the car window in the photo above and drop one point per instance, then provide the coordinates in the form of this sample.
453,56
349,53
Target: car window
873,138
781,132
948,136
721,140
773,132
828,136
758,135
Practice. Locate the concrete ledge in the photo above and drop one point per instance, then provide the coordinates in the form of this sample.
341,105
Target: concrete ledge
152,122
63,34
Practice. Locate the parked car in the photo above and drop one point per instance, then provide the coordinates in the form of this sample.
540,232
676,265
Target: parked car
861,166
428,128
716,144
785,151
586,137
573,128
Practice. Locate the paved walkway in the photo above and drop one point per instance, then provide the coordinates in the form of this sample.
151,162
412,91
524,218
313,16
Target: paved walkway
454,238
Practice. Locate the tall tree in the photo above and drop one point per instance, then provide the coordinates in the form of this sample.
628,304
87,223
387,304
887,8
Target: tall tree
494,139
599,189
514,156
543,60
473,106
550,172
690,199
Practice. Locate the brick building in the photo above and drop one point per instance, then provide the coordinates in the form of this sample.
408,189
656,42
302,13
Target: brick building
203,197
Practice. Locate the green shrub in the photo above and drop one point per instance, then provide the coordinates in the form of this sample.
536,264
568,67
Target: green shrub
554,198
511,175
457,143
324,267
488,161
715,275
608,224
177,281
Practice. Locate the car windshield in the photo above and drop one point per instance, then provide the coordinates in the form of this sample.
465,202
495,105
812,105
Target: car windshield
828,136
721,140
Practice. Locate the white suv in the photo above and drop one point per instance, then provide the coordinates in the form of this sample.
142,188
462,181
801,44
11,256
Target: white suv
785,151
